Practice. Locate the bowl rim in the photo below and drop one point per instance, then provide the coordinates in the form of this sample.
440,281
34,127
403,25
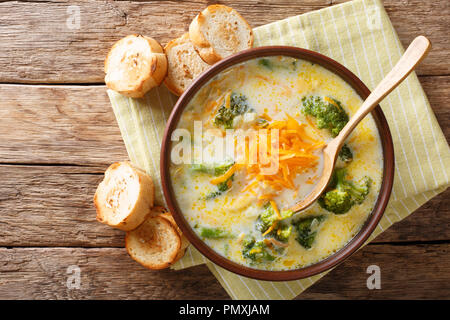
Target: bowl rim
372,221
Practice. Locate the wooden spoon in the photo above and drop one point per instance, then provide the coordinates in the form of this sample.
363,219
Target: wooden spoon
416,51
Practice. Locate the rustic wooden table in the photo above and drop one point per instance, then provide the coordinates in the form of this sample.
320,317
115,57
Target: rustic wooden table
58,134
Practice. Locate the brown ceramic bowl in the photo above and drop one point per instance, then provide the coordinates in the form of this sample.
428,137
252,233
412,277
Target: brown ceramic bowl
373,219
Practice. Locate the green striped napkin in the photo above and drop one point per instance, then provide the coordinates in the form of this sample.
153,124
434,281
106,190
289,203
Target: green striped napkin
359,35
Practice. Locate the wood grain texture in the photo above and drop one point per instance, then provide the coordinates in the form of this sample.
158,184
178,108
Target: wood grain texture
41,273
107,273
39,46
52,206
407,272
438,90
58,124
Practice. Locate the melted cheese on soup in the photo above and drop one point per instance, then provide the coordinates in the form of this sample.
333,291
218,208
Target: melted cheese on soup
223,201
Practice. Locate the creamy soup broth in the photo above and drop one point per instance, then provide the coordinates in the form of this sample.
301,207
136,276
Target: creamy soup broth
227,217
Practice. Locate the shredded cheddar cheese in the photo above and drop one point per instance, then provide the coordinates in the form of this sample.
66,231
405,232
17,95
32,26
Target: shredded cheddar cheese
228,100
225,176
270,229
266,196
330,101
275,208
295,155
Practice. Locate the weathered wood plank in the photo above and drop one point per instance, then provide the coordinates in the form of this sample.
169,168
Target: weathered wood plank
40,47
40,44
407,272
108,273
52,206
430,222
438,91
58,124
76,125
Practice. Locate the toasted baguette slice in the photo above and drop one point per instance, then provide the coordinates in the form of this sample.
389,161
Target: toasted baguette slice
134,65
154,244
184,64
184,240
164,213
125,196
219,31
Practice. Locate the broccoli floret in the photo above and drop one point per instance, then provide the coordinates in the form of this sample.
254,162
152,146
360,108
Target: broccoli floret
212,168
214,233
268,217
256,251
286,214
359,191
346,154
265,63
306,232
238,106
342,194
269,64
224,186
283,233
329,113
216,170
213,195
336,201
221,188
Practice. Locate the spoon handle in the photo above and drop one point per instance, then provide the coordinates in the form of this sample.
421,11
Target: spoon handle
416,51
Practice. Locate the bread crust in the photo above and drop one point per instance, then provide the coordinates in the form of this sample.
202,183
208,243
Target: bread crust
204,48
153,243
140,209
155,75
201,44
184,241
169,81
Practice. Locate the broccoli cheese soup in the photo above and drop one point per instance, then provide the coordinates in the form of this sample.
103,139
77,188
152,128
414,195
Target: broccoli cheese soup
255,134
